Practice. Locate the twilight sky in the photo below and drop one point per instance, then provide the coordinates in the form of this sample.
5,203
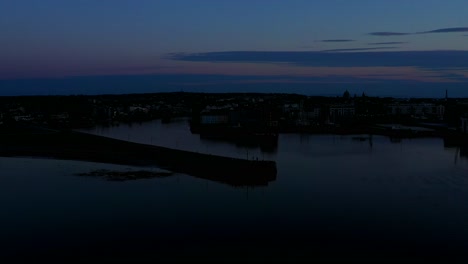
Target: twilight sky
322,47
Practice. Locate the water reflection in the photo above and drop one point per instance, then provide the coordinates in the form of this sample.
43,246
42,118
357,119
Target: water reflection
176,134
266,147
127,175
239,180
335,199
461,148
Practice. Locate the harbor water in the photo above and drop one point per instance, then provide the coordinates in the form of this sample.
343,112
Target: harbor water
335,198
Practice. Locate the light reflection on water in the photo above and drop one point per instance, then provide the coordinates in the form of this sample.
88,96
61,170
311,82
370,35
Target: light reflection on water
334,198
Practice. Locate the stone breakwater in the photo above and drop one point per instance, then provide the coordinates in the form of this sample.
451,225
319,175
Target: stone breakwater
82,146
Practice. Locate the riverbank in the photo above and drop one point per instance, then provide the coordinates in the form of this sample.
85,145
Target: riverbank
81,146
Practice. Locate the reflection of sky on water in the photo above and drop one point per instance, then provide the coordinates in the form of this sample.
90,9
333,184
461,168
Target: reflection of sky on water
334,196
179,137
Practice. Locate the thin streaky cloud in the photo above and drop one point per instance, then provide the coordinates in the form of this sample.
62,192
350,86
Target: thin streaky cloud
386,34
336,40
388,43
446,30
440,30
358,49
437,59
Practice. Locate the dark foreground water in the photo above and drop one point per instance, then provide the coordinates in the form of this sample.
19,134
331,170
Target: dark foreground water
334,199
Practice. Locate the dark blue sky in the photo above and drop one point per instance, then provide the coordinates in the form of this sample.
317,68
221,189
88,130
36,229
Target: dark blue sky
267,43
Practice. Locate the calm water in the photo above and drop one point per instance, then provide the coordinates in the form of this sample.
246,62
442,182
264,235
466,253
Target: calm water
334,198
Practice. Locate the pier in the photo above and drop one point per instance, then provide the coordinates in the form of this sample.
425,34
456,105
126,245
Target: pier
81,146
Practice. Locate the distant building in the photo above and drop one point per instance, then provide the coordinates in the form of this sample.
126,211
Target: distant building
23,118
61,116
464,125
288,108
417,110
342,110
138,109
214,117
313,113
